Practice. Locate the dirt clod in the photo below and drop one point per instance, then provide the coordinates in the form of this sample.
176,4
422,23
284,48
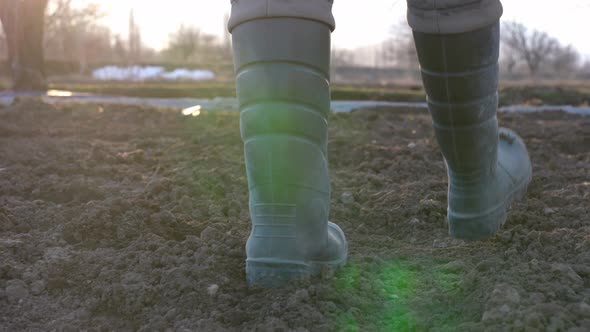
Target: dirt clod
347,198
16,290
212,290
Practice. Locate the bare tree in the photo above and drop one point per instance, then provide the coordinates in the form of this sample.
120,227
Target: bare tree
96,47
134,40
3,46
508,63
341,57
534,48
541,53
226,35
185,42
584,71
73,33
119,49
565,61
399,49
23,23
189,43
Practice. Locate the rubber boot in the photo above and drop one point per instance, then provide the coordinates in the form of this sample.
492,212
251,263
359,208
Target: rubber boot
487,167
282,67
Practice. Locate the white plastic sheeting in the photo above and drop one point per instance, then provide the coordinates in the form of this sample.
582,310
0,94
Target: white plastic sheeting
194,107
186,74
143,73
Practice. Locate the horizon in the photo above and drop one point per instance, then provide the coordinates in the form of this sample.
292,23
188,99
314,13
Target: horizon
376,22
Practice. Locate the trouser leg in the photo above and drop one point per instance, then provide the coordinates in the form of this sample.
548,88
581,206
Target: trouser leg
452,16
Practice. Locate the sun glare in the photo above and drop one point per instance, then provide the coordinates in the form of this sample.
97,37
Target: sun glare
192,111
59,93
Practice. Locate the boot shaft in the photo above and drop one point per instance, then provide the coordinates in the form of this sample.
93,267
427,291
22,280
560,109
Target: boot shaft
460,75
282,83
282,78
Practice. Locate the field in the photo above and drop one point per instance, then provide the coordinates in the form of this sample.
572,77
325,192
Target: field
551,92
127,218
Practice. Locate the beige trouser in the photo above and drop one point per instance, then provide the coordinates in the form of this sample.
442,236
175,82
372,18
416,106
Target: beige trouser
428,16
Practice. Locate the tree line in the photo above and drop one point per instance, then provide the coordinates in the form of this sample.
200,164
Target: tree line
75,33
525,53
38,30
35,31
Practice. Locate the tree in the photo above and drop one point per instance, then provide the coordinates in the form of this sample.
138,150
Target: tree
189,43
584,72
119,49
341,57
134,40
565,61
399,50
95,46
540,52
23,23
534,48
185,42
509,61
67,28
227,45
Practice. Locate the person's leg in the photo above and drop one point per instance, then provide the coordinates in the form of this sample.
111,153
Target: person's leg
458,49
282,59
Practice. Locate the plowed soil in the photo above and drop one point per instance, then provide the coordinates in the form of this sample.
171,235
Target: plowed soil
130,218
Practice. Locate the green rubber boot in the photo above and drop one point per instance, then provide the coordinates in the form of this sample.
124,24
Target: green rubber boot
282,82
488,167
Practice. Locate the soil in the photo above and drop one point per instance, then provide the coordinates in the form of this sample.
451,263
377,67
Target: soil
128,218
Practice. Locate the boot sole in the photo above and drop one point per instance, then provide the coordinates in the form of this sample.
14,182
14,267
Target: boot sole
275,273
272,272
484,225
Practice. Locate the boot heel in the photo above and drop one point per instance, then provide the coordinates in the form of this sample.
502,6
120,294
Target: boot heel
481,226
269,273
477,226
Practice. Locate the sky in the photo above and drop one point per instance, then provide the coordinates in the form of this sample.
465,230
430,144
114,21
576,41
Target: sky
357,26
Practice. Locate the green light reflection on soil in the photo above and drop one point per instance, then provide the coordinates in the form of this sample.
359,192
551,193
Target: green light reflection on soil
394,297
